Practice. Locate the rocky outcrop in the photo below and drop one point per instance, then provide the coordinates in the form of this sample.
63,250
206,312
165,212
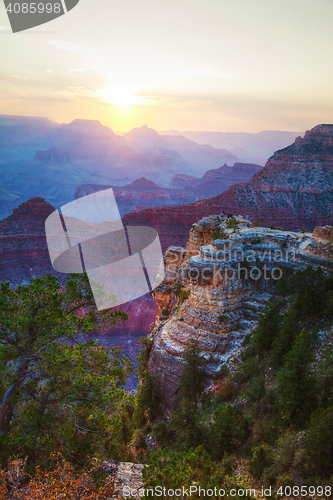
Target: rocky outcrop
22,241
24,255
215,181
293,190
124,481
227,273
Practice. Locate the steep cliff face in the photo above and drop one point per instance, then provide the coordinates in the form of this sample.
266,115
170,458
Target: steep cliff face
225,283
24,254
293,190
22,241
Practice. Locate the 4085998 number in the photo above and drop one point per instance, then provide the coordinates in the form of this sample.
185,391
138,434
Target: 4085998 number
304,491
34,8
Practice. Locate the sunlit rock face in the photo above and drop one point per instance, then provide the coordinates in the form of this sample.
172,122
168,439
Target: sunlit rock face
228,281
293,190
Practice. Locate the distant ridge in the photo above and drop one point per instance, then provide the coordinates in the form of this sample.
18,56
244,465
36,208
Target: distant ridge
293,190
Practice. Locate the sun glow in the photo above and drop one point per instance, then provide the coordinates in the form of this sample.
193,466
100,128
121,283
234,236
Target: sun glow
121,96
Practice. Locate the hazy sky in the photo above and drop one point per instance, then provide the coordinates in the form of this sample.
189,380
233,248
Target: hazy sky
229,65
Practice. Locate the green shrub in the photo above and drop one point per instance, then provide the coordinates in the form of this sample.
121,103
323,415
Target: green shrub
255,241
177,288
184,295
297,384
222,318
228,431
262,458
268,326
232,223
219,236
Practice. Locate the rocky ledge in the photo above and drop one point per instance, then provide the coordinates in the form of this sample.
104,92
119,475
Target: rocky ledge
223,279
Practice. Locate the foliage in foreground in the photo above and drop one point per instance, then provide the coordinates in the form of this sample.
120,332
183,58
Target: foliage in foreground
59,481
57,393
276,409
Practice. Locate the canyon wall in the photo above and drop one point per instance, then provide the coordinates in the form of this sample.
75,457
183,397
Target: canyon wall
225,284
293,190
24,255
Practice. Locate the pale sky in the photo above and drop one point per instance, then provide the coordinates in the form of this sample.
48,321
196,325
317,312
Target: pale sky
223,65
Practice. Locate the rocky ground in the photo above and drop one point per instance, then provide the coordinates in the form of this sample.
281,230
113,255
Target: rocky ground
226,275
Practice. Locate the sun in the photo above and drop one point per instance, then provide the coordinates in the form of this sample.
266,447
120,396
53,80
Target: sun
121,96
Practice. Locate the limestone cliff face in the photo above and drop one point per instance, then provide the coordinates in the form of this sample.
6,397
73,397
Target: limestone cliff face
228,281
293,190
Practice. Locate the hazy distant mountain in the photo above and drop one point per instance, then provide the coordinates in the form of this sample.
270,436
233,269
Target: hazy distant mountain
21,136
293,190
248,147
145,138
191,157
140,194
45,159
215,181
183,189
41,158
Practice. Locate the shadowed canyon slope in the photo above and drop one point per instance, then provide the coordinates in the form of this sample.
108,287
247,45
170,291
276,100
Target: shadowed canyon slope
294,189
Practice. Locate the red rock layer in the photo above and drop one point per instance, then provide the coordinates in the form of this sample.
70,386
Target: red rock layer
293,190
22,240
24,254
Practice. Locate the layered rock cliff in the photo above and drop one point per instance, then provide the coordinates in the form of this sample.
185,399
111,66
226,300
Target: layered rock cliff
23,249
139,195
223,279
293,190
143,193
24,255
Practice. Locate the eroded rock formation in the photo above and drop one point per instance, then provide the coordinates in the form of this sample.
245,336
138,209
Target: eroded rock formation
293,190
24,255
227,273
23,249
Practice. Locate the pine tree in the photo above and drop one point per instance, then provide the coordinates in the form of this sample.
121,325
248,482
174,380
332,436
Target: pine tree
297,384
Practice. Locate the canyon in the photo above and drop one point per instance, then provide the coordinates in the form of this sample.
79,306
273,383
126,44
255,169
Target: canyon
215,289
24,255
293,190
42,158
183,189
